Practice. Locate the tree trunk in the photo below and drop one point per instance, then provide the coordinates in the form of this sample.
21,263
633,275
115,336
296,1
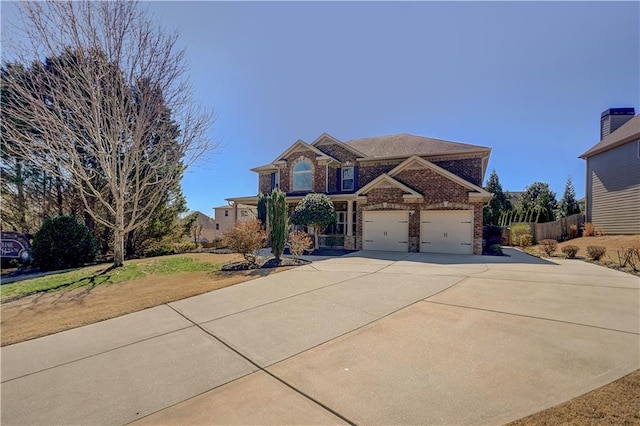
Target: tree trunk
59,195
119,236
118,248
316,231
22,205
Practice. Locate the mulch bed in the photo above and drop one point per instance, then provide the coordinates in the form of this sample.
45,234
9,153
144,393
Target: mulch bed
263,263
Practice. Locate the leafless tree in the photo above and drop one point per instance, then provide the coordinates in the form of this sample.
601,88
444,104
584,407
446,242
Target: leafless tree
105,105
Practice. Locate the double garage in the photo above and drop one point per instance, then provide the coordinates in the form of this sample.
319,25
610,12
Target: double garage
441,231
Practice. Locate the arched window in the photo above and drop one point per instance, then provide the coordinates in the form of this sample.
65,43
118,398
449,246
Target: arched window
302,176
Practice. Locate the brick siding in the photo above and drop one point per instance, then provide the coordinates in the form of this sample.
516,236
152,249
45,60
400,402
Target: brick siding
469,169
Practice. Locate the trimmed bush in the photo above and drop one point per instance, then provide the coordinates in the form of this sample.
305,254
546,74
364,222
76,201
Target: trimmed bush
63,243
492,235
526,240
570,251
549,246
518,229
596,252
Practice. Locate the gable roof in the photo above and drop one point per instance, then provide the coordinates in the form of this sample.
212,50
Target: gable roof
327,138
414,160
405,145
302,144
628,132
386,181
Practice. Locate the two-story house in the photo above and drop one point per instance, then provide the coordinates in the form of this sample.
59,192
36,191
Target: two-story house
398,193
613,174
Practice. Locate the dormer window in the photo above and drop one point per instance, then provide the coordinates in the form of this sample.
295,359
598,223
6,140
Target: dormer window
302,176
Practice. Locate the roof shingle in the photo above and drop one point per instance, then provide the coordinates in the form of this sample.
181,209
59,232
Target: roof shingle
405,144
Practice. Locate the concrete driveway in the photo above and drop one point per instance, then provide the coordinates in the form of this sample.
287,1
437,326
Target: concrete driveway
368,338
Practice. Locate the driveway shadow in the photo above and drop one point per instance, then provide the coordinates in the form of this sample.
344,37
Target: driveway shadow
511,256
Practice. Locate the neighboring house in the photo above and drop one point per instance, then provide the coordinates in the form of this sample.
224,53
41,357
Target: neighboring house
613,174
399,193
514,197
207,232
224,217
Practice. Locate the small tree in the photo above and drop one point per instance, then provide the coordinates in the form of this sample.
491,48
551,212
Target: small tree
196,232
277,208
498,204
568,204
247,238
315,210
63,243
262,208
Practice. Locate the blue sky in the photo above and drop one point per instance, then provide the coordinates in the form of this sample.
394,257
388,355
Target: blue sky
528,79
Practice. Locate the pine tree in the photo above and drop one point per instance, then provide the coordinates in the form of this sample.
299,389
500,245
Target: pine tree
568,204
498,204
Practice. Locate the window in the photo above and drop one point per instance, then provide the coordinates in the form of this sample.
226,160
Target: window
302,176
347,179
275,180
341,218
243,213
226,213
217,226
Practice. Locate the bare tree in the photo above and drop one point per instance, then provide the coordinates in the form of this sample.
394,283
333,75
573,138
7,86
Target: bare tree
105,105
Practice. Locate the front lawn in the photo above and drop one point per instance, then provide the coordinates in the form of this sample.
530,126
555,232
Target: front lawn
105,274
53,303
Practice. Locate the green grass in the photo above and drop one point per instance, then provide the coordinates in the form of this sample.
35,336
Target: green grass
104,274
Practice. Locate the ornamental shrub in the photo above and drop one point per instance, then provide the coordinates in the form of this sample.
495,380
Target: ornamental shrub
247,238
61,243
526,240
549,246
570,251
518,229
315,210
299,242
277,211
596,252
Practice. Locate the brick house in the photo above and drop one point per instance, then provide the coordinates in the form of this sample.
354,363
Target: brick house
398,193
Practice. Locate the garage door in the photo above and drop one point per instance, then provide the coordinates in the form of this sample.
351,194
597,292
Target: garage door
386,230
449,231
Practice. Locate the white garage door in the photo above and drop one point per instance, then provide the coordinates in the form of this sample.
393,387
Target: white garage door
386,230
447,231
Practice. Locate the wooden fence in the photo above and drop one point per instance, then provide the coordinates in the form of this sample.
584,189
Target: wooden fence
558,230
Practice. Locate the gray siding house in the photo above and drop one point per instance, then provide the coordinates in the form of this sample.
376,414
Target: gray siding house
613,179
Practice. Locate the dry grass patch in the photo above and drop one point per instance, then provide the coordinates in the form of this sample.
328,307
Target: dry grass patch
615,404
45,313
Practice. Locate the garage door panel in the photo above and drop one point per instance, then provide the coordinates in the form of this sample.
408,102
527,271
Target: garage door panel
446,231
386,230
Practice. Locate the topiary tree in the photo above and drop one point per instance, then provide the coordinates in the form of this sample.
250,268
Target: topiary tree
315,210
62,242
277,208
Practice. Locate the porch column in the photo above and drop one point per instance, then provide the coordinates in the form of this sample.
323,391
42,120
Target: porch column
349,218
